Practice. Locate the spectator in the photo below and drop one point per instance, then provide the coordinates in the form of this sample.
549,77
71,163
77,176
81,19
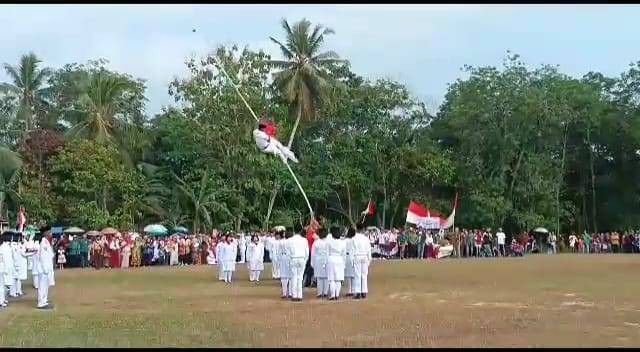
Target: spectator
501,238
615,242
403,240
587,242
572,243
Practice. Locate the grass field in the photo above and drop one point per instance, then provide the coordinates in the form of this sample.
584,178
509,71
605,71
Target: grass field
563,300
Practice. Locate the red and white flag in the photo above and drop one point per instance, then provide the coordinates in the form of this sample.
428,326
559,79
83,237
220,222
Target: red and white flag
417,213
370,210
451,219
22,220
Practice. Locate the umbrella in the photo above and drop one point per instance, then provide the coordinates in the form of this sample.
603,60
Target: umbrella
180,229
109,231
156,230
541,230
74,230
92,234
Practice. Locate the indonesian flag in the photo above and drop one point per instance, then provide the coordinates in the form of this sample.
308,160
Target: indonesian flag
451,219
417,213
370,210
22,220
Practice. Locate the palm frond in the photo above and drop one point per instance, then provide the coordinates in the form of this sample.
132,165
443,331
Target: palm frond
283,48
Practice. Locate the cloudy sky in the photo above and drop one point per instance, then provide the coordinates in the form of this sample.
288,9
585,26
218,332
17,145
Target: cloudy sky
423,46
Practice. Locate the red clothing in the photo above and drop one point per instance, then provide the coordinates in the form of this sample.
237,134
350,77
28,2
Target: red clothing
479,238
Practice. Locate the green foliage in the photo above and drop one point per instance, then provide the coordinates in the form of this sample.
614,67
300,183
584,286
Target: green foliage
524,147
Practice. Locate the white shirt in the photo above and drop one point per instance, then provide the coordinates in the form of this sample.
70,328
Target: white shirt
262,139
361,246
319,253
336,247
501,237
297,247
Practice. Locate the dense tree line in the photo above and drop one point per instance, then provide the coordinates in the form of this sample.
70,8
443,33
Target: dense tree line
523,147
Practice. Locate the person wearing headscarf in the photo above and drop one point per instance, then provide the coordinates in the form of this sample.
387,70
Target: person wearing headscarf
126,252
255,258
228,254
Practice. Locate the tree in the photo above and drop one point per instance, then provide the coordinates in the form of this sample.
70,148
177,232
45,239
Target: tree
28,83
10,165
104,106
304,77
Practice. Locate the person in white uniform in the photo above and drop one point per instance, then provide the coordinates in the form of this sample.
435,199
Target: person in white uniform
319,256
255,258
4,272
348,262
267,143
219,246
273,254
298,252
229,253
361,258
20,255
336,252
242,247
283,266
7,269
45,271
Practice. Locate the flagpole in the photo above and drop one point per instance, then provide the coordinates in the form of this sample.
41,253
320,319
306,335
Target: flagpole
256,118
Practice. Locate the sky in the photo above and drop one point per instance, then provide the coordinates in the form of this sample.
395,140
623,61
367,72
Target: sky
422,46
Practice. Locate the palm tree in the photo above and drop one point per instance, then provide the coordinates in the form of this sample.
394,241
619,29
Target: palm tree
304,77
97,116
10,165
98,107
28,85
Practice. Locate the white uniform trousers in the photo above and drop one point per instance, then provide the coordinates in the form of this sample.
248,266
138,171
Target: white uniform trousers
297,275
361,268
43,290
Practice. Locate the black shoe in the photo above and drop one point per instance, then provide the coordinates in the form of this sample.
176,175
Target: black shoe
349,294
364,295
283,297
357,296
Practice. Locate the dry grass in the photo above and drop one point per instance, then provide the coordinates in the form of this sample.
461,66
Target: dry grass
565,300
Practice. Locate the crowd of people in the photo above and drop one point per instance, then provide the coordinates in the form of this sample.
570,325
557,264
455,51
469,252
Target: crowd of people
133,250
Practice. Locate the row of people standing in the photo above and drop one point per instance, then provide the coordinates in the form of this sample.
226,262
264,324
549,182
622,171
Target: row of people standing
19,255
334,258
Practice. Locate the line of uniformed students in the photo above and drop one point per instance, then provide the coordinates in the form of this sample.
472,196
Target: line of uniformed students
334,259
17,256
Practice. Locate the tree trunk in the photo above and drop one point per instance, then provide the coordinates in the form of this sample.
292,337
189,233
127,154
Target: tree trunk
384,203
560,180
272,200
585,219
593,183
295,126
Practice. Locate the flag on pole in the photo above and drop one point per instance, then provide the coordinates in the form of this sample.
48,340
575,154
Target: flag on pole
417,213
451,219
370,210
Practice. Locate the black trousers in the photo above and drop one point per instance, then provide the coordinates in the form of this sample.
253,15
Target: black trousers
308,274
